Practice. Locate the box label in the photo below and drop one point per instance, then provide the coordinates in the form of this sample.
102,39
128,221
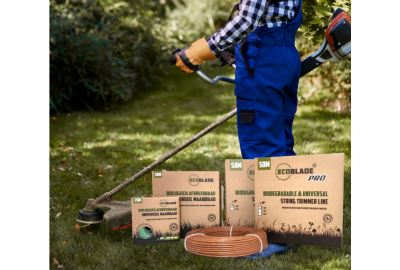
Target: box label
264,164
157,174
236,165
138,200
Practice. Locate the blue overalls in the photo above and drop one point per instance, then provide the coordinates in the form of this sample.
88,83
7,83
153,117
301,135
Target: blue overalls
267,101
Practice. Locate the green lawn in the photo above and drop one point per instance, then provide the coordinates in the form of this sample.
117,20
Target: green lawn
166,116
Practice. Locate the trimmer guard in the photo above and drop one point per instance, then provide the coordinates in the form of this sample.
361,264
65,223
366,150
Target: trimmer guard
119,216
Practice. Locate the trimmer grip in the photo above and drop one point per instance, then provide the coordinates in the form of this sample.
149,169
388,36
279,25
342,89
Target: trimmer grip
227,57
308,65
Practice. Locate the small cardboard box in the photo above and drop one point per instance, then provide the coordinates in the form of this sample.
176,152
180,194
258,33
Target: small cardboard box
239,183
155,220
200,196
299,199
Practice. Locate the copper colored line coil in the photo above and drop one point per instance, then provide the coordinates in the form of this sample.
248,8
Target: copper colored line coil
226,242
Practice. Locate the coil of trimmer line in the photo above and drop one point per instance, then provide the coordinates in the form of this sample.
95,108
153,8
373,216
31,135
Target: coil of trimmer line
145,233
226,242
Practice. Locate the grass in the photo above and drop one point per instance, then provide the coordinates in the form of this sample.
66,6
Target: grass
92,152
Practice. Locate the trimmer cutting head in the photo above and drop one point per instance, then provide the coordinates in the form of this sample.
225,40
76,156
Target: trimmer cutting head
90,217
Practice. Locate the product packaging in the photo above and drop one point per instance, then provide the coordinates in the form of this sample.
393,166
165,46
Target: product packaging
155,220
239,183
299,199
199,193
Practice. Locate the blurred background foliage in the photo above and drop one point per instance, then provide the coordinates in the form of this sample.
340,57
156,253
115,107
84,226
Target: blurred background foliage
103,51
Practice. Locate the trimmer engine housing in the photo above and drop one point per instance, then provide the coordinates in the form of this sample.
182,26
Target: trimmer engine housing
336,46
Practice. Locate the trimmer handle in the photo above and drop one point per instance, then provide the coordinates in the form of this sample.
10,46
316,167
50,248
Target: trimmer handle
226,57
173,60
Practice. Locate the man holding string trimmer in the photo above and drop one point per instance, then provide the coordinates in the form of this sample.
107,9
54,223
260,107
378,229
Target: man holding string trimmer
268,69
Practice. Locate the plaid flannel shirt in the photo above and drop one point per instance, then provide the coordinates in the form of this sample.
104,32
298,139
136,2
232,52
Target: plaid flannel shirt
251,14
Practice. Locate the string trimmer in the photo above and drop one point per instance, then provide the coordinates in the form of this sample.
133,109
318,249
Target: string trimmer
335,48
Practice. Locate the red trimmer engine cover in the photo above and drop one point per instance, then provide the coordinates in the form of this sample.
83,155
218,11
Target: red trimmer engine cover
339,31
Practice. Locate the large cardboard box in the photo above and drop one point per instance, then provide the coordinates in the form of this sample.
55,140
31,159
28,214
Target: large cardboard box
299,199
239,183
200,196
155,220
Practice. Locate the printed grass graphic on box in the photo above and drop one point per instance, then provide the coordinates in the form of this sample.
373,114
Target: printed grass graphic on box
145,234
186,227
246,223
306,234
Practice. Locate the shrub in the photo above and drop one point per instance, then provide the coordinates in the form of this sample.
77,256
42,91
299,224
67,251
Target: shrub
101,52
328,85
317,16
189,21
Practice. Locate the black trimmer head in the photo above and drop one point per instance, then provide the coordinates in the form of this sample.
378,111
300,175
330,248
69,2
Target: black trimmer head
91,216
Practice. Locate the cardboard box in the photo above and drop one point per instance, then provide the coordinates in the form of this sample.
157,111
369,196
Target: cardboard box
299,199
200,196
239,182
155,220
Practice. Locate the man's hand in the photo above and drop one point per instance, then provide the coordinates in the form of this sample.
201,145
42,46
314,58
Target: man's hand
190,58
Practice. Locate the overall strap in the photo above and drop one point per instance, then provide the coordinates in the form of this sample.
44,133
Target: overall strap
235,8
249,69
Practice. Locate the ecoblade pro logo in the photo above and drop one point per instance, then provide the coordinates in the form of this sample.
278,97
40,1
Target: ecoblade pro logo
194,180
284,171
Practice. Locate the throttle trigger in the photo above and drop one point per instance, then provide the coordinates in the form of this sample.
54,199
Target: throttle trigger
176,51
